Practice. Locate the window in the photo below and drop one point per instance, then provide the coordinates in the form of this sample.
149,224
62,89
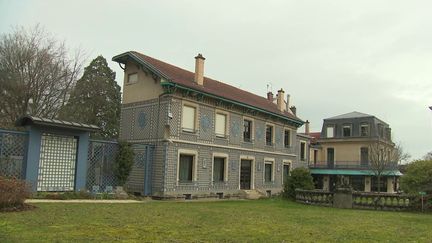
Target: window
346,131
268,171
132,78
364,156
219,169
269,135
330,131
188,118
220,127
380,131
286,170
247,130
186,165
364,130
302,151
287,138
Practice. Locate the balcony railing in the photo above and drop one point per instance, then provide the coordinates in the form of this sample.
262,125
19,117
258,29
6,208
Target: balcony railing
345,165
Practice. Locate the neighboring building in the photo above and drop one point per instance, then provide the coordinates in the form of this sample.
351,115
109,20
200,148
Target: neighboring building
210,138
344,148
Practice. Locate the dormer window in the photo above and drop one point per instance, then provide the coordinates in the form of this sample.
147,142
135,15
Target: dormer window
346,130
364,130
330,132
132,78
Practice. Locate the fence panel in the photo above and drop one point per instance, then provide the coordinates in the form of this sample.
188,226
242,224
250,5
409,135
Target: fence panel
13,153
100,166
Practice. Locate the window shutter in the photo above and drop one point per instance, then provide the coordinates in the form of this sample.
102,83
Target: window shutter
188,119
220,124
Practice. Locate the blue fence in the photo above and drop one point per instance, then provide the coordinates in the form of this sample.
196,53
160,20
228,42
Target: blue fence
13,153
101,157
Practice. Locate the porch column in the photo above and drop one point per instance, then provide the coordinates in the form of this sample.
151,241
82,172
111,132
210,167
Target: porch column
326,183
368,183
390,183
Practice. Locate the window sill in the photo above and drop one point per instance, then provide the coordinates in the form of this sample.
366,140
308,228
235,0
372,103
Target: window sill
195,132
222,137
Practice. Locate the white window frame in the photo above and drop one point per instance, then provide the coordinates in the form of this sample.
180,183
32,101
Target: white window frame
368,130
286,162
194,153
290,138
273,133
305,151
128,78
272,162
351,131
226,114
333,131
252,128
226,157
252,159
191,105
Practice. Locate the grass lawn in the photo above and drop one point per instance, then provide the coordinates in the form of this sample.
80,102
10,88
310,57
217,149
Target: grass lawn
270,220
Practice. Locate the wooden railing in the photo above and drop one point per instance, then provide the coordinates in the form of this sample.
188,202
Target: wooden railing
382,201
360,200
316,197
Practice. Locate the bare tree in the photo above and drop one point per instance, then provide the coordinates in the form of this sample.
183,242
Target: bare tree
384,156
36,74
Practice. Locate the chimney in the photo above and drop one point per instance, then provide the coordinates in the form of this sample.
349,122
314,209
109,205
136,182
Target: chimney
199,69
280,100
307,127
288,103
293,110
270,96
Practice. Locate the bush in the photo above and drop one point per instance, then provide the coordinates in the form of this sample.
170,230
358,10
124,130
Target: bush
299,178
13,193
124,162
82,194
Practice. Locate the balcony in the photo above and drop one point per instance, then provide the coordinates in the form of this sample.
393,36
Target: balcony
346,165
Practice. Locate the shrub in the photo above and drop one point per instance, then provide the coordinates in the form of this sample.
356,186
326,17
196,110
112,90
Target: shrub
124,162
418,177
13,193
299,178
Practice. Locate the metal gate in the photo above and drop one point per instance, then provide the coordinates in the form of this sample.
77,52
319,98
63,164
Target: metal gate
13,153
57,163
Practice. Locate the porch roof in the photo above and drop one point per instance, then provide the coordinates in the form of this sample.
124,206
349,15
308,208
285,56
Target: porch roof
353,172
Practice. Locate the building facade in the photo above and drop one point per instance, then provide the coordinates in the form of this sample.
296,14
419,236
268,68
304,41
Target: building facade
210,138
356,147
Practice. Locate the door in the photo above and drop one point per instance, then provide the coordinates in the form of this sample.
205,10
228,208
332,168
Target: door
245,174
330,157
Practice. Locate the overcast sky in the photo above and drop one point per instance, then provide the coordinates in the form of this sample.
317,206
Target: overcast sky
333,57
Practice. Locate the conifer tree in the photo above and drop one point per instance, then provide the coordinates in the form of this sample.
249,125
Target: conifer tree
96,99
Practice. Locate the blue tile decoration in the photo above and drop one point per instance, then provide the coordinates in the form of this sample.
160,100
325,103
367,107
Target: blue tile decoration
205,122
142,120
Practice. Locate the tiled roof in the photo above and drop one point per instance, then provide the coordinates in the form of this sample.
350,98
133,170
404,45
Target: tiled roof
186,78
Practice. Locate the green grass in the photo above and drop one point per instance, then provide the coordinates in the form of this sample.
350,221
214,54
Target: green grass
221,221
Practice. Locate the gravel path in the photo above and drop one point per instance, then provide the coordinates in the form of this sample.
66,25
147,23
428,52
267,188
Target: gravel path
82,201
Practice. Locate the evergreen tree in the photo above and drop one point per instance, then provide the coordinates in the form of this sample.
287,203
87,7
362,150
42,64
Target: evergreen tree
96,99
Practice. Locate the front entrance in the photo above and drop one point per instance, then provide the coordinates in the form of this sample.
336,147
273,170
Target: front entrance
245,174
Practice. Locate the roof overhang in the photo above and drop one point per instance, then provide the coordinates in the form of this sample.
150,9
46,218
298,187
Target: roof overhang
33,120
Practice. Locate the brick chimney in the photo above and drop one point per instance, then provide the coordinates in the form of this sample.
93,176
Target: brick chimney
270,96
280,100
307,127
293,110
199,69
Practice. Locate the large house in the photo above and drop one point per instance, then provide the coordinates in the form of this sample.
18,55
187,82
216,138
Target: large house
355,146
210,138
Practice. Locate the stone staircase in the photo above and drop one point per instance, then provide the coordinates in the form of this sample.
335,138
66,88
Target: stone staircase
252,194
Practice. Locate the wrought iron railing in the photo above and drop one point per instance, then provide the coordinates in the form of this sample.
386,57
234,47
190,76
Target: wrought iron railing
346,165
